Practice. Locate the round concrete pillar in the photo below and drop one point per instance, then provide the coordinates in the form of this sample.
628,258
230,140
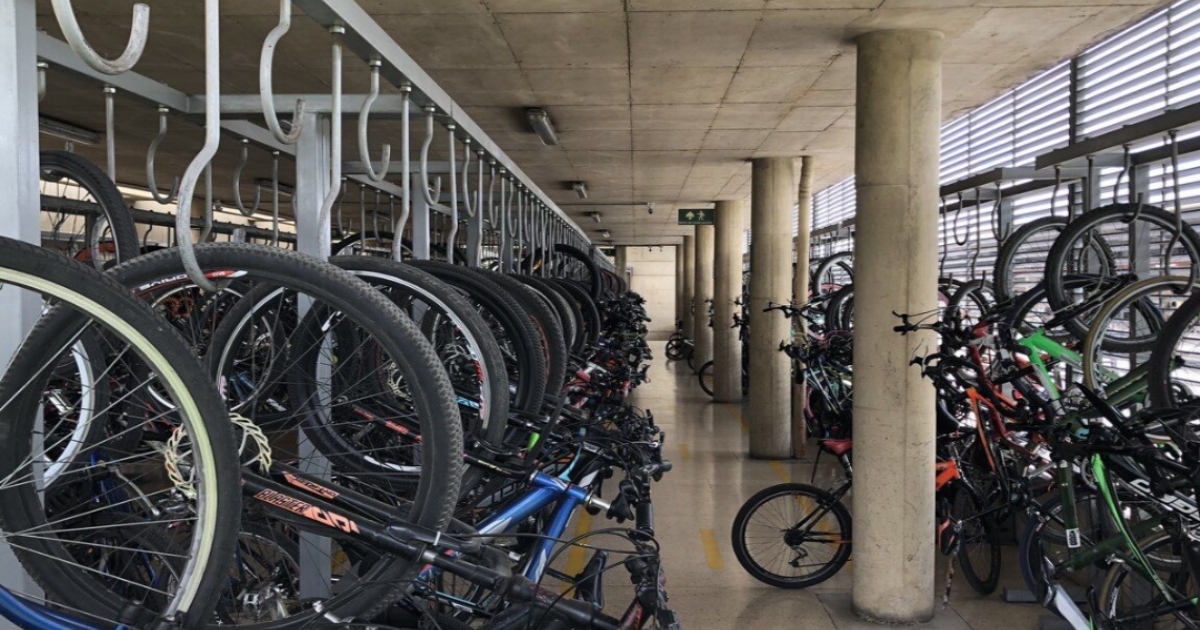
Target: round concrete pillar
703,283
689,287
727,288
771,195
621,260
895,269
800,295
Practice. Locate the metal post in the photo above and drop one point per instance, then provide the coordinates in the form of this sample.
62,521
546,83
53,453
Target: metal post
312,184
475,221
19,176
420,220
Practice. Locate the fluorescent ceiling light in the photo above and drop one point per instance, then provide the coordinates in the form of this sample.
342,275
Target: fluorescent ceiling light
540,121
67,131
580,189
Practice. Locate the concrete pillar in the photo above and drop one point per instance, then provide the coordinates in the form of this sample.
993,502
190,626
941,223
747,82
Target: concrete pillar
800,295
727,288
689,285
622,260
895,269
772,193
679,285
703,284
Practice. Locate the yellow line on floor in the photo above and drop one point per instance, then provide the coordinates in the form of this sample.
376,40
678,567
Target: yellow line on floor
780,471
577,557
685,453
736,412
712,553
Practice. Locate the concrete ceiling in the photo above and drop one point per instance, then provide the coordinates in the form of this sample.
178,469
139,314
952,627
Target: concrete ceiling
655,100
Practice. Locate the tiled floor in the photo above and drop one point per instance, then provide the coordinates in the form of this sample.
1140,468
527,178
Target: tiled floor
696,503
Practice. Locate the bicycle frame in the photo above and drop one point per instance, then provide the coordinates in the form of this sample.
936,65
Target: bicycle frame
1124,546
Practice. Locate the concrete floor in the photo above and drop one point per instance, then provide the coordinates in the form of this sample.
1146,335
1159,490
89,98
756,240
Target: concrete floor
696,503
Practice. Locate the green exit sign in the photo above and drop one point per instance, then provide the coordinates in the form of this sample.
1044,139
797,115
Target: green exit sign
696,216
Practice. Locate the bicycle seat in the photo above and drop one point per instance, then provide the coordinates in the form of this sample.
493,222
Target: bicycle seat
838,447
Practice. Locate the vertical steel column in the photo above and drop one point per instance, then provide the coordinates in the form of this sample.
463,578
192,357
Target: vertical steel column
420,220
475,221
506,239
19,177
312,238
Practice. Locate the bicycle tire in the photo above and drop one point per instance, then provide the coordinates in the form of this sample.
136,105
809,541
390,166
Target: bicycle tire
1177,579
840,260
705,375
1162,358
512,326
822,498
1003,270
587,308
595,288
1098,338
106,195
1058,263
433,503
198,407
983,582
558,301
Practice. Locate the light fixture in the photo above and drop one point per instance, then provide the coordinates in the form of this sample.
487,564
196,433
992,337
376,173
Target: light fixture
540,121
67,131
605,233
580,189
650,208
595,216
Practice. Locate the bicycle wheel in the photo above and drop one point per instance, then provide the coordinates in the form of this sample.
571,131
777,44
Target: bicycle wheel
460,338
93,225
63,533
1129,322
355,369
979,547
1138,235
1174,376
1021,261
520,340
1130,599
579,266
833,271
674,349
706,378
972,301
792,535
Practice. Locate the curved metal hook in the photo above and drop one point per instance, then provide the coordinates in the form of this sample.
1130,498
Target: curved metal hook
237,183
162,133
406,185
65,14
491,214
466,183
335,137
452,236
430,200
266,66
212,141
363,117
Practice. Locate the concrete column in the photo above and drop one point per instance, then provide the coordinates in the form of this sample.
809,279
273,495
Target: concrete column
727,287
689,285
770,417
895,269
703,283
800,295
679,285
622,260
